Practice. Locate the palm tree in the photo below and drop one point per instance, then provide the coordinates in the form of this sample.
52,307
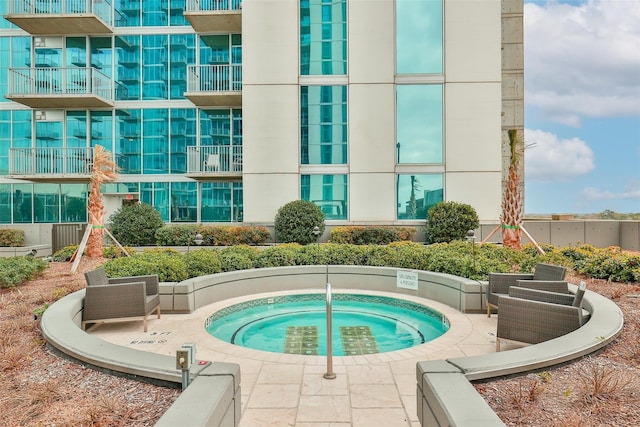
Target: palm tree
104,170
511,217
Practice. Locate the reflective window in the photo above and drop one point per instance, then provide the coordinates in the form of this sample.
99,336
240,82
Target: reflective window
101,54
128,13
76,129
217,202
22,200
155,79
323,124
154,13
5,141
419,36
183,127
102,129
184,202
156,194
128,141
182,52
327,191
417,193
323,37
5,203
73,206
46,202
128,67
419,123
5,54
155,144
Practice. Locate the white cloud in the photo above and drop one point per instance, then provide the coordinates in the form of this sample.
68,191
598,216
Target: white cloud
551,159
583,60
632,191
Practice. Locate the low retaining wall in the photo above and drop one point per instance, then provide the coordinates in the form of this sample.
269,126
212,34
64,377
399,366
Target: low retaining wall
60,326
441,388
465,295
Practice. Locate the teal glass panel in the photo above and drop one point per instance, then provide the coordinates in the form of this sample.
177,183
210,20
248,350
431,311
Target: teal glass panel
128,13
5,141
176,7
327,191
182,53
417,193
154,13
76,129
161,199
5,203
146,193
76,51
127,67
22,203
216,202
3,11
46,202
22,128
323,125
73,202
323,37
183,134
101,55
49,134
238,202
102,129
419,36
155,77
128,141
155,141
237,127
215,49
5,54
215,127
419,123
184,197
20,52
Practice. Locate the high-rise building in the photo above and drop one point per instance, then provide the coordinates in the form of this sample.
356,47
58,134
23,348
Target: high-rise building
223,111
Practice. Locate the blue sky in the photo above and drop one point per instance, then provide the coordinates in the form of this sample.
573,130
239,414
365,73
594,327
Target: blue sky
582,106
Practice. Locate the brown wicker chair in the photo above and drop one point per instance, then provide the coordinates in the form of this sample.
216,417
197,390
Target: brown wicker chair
541,278
119,299
532,316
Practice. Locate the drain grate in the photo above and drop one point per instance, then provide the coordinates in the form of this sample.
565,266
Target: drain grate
301,340
358,340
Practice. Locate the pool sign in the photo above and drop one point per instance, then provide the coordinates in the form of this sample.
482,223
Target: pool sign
407,279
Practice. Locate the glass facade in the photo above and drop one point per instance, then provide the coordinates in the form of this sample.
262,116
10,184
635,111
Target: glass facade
323,125
323,37
419,123
417,193
327,191
419,37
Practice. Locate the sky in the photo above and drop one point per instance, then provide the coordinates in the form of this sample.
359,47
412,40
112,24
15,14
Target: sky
582,106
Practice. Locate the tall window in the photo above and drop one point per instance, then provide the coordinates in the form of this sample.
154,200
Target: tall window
327,191
419,123
323,125
323,37
419,36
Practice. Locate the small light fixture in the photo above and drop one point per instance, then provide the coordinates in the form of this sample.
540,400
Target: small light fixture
198,239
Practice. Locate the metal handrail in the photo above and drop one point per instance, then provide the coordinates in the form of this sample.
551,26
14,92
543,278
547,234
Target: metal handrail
214,159
59,81
329,375
58,161
102,8
214,78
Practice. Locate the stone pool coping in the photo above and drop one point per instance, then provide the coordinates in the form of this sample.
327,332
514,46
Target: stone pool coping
61,326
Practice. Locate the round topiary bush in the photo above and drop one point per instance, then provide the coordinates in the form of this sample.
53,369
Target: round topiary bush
295,221
448,221
135,224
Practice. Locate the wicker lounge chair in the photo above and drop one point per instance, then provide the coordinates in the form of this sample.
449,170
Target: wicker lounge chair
499,283
119,299
532,316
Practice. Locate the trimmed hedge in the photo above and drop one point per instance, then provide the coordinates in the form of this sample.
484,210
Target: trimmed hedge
12,238
371,235
15,271
212,235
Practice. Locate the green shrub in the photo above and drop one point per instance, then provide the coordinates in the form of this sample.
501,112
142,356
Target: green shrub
169,265
212,235
15,271
370,235
202,262
448,221
113,251
135,224
177,234
11,238
233,261
295,221
277,256
64,254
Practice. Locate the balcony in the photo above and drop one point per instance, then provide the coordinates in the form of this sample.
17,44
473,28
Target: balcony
51,164
61,17
207,16
219,162
214,85
60,87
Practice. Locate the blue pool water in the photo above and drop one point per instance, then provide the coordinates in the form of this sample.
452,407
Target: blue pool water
296,324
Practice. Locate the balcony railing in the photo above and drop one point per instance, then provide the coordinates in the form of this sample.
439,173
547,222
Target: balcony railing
58,83
50,162
56,16
214,15
215,85
212,5
214,160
